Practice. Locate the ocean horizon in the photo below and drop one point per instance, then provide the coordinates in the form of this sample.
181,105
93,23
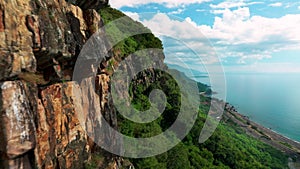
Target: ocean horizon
269,99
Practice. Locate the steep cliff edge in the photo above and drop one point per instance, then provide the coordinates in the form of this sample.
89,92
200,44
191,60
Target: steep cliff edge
39,104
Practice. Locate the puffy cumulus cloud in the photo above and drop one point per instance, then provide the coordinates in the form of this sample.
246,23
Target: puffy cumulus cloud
277,4
252,37
163,24
167,3
183,41
234,34
184,44
256,29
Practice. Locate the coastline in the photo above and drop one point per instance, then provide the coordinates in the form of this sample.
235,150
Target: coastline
284,136
286,145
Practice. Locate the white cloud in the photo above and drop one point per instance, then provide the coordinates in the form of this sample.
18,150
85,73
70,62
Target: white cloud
178,11
235,34
135,16
217,11
291,4
299,7
256,29
256,37
232,4
163,24
277,4
200,10
168,3
187,38
228,4
237,27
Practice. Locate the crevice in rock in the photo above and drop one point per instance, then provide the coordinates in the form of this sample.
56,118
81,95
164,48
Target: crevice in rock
31,157
75,28
3,143
2,18
93,21
33,27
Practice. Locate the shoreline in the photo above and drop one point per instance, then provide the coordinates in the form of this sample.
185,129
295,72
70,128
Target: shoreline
281,135
286,145
267,128
262,126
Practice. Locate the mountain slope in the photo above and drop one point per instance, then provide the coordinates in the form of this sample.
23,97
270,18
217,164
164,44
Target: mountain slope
229,146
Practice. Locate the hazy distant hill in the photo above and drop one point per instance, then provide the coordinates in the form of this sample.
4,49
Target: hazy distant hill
188,71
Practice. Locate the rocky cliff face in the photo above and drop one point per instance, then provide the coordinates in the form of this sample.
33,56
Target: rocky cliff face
39,104
38,35
48,120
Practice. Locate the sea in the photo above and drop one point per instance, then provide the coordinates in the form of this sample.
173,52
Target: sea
269,99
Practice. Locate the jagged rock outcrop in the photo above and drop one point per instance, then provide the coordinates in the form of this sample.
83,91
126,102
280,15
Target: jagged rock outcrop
44,35
69,115
64,144
41,125
48,120
63,29
17,128
16,42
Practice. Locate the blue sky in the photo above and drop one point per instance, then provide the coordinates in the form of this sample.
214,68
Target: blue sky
243,36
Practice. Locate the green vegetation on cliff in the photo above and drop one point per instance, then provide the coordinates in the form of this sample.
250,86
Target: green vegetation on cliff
228,147
132,43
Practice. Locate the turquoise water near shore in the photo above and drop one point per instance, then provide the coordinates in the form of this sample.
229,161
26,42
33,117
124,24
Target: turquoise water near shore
272,100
